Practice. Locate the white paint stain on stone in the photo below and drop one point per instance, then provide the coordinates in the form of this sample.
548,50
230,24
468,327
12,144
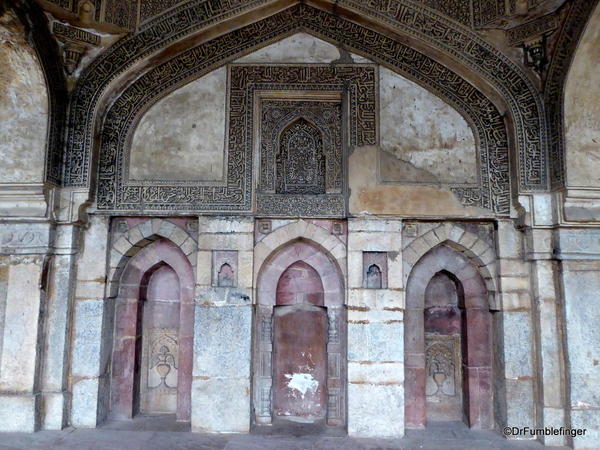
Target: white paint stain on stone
302,382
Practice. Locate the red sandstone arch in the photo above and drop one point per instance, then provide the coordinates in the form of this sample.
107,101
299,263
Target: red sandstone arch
477,359
313,255
132,283
277,283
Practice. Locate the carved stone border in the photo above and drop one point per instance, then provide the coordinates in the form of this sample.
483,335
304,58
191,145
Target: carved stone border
117,193
129,241
127,109
421,22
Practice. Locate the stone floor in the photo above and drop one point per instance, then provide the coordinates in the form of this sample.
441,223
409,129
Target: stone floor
156,434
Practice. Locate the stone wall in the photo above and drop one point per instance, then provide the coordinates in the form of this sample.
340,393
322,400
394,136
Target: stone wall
580,254
410,192
223,327
375,315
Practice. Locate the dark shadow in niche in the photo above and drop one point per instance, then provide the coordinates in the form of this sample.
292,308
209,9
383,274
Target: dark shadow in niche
226,277
374,279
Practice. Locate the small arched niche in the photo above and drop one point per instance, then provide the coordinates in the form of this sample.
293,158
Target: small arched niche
226,276
299,284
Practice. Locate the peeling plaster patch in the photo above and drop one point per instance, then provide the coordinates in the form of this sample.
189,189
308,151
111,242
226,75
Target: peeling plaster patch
302,382
369,197
424,140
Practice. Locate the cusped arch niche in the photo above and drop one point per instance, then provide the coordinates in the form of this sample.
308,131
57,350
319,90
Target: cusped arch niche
146,353
448,325
301,274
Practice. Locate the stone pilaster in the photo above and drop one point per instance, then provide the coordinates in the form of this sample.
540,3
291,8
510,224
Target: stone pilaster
58,309
223,328
90,356
514,332
25,248
375,333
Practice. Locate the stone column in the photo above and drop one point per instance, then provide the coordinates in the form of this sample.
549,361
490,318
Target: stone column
547,317
579,250
90,356
58,309
223,327
22,296
375,333
514,337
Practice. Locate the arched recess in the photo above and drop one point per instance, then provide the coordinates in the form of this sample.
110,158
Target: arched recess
122,117
577,19
455,45
446,263
321,281
458,91
133,285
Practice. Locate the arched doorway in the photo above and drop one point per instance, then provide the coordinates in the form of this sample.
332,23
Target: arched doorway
299,357
447,342
152,352
300,346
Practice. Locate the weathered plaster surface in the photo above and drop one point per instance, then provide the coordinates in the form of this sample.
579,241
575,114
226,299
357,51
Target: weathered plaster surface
367,196
23,106
423,139
182,137
582,113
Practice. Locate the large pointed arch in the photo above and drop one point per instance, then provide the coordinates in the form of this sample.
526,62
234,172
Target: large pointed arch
404,22
123,114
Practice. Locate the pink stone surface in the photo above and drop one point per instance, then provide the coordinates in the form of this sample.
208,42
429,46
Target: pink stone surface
159,271
300,283
474,325
303,251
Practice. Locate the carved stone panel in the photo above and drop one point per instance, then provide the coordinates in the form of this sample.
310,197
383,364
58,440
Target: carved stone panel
357,83
301,145
442,377
160,371
300,160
